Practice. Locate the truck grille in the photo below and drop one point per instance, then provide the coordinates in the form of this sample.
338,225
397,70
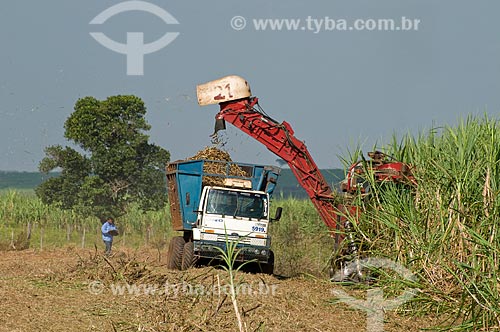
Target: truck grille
239,239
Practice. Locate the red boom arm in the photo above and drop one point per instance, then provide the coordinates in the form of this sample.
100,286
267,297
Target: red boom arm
280,139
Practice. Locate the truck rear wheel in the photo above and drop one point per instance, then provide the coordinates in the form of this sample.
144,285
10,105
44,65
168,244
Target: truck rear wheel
175,253
188,256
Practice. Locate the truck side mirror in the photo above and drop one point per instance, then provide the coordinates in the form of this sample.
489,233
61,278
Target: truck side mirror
277,217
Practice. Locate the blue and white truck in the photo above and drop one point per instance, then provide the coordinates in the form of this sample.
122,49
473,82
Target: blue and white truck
210,213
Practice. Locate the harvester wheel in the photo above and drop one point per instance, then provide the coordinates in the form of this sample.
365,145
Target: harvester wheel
188,256
175,252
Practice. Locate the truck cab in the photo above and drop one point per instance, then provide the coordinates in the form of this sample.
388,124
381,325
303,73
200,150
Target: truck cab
214,208
235,214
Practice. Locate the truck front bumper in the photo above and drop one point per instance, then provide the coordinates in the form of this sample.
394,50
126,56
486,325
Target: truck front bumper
208,249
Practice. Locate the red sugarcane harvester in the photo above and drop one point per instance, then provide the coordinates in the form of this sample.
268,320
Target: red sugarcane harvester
241,109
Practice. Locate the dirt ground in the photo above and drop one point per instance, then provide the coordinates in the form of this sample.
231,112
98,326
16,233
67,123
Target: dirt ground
80,290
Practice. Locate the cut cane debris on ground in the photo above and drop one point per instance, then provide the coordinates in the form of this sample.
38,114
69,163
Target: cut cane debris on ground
81,290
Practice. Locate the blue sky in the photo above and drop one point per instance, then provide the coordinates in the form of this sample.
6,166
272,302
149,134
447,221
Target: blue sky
336,88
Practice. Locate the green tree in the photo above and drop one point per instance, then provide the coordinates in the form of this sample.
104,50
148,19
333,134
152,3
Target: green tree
117,167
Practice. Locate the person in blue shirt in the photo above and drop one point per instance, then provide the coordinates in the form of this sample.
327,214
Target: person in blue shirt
108,230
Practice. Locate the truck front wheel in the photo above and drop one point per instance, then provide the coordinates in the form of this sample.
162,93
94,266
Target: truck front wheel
188,256
175,253
269,267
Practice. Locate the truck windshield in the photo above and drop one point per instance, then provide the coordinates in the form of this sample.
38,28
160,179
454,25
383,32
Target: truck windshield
237,204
